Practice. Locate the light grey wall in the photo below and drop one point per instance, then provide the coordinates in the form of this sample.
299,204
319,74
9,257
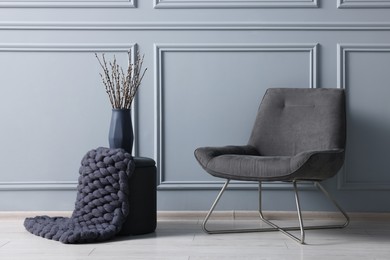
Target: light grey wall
209,63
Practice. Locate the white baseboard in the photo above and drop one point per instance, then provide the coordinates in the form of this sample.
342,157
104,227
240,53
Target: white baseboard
219,214
275,215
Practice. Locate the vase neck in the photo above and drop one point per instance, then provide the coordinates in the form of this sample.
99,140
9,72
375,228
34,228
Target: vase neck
121,109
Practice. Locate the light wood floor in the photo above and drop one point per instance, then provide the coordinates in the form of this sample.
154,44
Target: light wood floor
179,236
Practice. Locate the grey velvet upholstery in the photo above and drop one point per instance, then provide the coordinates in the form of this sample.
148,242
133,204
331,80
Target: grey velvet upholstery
299,134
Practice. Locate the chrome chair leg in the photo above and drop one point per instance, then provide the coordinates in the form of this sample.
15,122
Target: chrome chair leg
212,208
302,240
286,229
222,231
347,220
275,227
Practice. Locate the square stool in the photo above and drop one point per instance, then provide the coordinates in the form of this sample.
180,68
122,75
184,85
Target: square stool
142,218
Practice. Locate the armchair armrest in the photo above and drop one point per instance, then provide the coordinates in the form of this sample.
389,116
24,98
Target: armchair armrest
324,163
205,154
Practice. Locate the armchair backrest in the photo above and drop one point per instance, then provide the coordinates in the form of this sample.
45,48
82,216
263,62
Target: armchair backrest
290,121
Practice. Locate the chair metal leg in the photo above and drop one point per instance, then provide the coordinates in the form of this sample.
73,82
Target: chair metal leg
212,209
321,188
275,227
285,230
222,231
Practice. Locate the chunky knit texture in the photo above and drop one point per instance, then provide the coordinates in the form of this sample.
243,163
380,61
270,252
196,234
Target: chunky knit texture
101,205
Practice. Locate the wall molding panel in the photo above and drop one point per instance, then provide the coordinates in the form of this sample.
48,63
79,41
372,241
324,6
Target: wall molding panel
363,4
160,50
44,185
69,4
193,26
64,47
344,49
235,4
344,182
38,186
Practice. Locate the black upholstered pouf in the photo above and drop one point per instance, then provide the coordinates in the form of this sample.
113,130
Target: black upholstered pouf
142,217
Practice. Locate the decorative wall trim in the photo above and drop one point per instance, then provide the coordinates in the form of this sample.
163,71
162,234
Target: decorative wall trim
160,49
196,26
235,4
363,4
16,47
342,50
234,185
60,48
38,185
68,4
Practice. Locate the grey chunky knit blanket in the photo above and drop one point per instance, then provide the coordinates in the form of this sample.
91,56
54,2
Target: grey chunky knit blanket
101,204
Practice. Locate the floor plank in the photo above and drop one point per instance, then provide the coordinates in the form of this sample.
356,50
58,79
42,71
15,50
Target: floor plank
179,236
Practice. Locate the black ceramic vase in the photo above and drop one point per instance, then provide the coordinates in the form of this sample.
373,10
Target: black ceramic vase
121,130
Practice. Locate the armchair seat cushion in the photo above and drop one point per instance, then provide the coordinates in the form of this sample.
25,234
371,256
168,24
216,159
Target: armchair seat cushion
248,165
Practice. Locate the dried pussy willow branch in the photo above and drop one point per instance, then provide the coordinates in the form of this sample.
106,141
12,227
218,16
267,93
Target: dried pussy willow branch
121,86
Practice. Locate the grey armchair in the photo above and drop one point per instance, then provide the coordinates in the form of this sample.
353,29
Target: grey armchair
299,136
